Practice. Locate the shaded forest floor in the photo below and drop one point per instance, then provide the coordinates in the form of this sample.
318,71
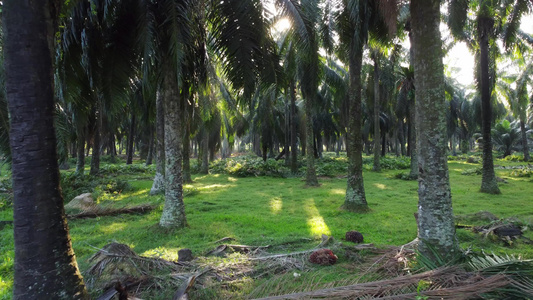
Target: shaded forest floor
280,212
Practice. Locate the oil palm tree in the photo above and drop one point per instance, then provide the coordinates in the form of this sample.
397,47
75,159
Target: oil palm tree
494,19
356,18
305,16
45,264
436,229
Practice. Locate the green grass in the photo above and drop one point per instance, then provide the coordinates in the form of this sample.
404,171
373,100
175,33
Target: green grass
271,211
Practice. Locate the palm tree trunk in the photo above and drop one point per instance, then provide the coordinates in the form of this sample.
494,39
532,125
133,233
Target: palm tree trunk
413,173
80,163
294,147
173,215
436,229
310,174
95,159
159,180
524,139
150,156
186,143
488,177
45,264
355,191
131,137
377,134
204,152
287,131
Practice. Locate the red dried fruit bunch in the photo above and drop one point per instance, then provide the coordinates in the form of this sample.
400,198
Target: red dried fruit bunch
323,257
354,236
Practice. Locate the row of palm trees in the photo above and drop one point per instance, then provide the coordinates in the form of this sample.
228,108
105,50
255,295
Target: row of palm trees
125,65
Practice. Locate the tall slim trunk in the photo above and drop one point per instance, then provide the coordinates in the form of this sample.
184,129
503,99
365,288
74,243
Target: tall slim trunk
159,180
95,159
294,147
187,142
173,215
287,130
524,139
112,148
488,177
45,264
80,163
355,191
310,174
402,138
131,137
436,229
150,156
413,153
204,152
377,134
413,173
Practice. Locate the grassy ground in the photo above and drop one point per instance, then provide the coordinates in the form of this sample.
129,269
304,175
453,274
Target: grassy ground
273,211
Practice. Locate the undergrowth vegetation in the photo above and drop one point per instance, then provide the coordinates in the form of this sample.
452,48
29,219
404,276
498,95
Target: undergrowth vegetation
262,204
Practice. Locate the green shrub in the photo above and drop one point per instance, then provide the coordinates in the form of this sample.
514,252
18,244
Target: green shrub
123,169
115,186
527,171
73,184
246,166
331,166
389,162
514,157
474,171
6,193
404,176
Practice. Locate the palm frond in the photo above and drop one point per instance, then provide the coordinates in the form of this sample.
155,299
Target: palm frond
520,8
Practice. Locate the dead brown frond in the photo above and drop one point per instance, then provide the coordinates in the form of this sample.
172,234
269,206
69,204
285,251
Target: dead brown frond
446,283
97,211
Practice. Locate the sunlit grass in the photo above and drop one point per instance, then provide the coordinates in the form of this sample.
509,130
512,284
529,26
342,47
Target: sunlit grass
276,205
266,211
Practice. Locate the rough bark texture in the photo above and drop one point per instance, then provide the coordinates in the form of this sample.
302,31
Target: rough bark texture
377,134
173,215
436,229
45,265
310,175
488,177
355,191
159,180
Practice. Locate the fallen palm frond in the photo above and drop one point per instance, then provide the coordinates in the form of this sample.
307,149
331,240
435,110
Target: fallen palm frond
445,283
99,212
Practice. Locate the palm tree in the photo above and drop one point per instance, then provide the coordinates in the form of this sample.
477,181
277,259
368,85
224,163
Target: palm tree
355,20
506,136
45,265
436,229
517,97
305,16
494,19
405,108
485,25
97,60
